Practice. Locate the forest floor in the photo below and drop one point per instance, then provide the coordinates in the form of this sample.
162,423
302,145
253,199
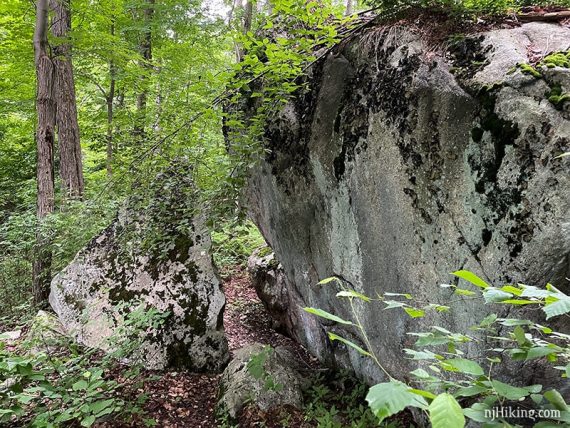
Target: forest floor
182,399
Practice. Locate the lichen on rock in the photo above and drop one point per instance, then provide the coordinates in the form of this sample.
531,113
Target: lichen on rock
413,169
158,256
262,376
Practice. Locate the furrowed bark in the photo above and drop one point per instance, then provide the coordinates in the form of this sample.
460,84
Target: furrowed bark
45,136
145,48
71,165
109,99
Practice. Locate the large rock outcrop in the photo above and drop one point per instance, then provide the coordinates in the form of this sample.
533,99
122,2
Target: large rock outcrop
156,254
404,162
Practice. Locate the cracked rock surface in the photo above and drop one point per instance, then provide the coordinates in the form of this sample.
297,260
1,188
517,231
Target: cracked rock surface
403,163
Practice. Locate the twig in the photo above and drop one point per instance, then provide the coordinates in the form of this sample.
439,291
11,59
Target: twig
544,17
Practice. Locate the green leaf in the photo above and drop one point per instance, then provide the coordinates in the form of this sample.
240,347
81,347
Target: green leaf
488,320
387,399
557,308
333,337
518,332
432,340
509,392
421,374
477,412
539,352
511,322
494,295
352,293
391,304
465,366
423,393
80,385
406,295
471,277
88,421
556,399
421,355
511,289
100,407
520,302
445,412
327,280
326,315
463,292
256,364
415,312
531,291
470,391
24,398
533,389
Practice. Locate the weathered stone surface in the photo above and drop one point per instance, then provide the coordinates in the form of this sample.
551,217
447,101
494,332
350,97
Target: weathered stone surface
46,334
392,172
270,283
274,383
162,259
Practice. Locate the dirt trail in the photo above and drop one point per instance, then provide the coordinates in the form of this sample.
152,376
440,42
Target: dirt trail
186,400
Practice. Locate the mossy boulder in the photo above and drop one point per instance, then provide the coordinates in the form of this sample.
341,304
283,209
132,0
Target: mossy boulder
262,376
160,257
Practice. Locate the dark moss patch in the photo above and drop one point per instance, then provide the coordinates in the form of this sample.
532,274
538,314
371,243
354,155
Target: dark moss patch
75,302
288,152
468,55
503,133
390,87
354,130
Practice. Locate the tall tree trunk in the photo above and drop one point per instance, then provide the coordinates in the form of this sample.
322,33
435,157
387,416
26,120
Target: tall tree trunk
349,7
45,135
247,21
248,16
71,165
145,48
110,98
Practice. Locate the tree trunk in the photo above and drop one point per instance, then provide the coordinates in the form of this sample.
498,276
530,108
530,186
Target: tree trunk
349,7
248,16
70,163
110,98
46,112
247,21
145,48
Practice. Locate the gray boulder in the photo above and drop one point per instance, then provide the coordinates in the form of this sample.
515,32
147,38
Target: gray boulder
404,162
158,257
270,283
46,334
260,375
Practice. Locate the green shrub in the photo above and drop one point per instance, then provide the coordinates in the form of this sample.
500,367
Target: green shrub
449,386
49,382
233,244
462,7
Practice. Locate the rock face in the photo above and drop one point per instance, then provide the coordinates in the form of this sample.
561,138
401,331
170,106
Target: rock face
270,283
160,259
403,163
260,375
